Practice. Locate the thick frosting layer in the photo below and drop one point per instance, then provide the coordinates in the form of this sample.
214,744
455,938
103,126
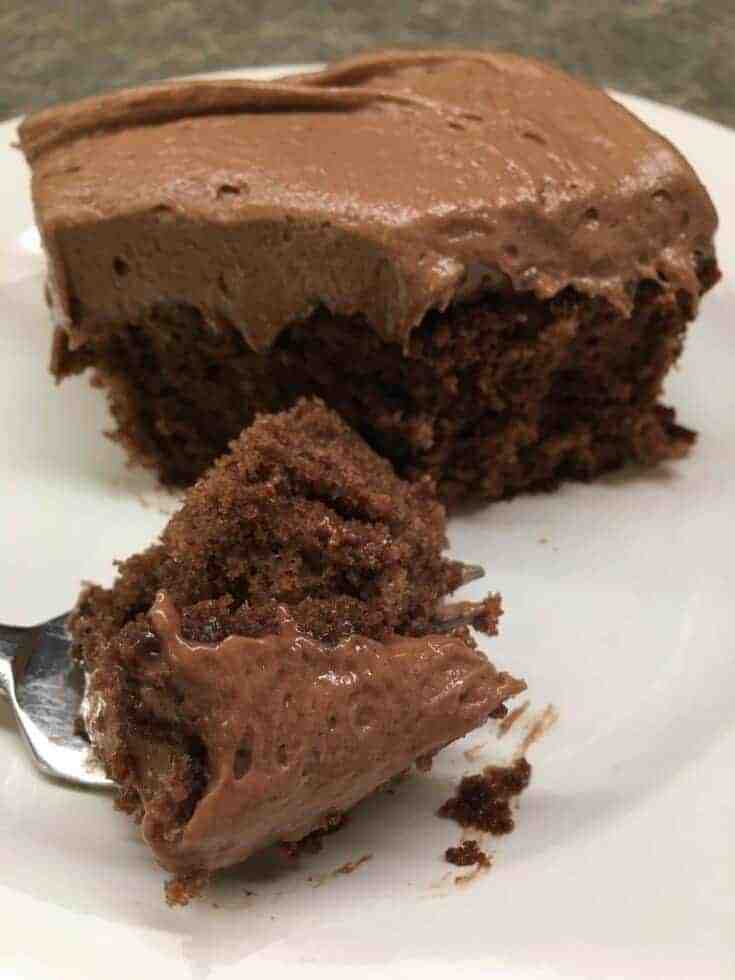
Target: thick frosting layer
295,731
385,186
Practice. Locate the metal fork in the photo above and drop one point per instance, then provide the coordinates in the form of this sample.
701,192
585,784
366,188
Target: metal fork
45,691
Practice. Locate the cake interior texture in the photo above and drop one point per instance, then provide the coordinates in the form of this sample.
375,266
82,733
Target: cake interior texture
276,655
489,287
504,394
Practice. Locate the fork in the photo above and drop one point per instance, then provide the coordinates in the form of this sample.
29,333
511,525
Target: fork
45,690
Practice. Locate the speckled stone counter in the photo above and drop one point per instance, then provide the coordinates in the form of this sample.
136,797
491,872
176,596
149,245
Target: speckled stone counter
677,51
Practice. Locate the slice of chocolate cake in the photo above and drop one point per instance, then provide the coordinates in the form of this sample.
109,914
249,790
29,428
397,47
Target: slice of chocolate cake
279,653
485,266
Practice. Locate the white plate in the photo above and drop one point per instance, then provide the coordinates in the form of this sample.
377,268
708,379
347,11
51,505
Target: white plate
619,599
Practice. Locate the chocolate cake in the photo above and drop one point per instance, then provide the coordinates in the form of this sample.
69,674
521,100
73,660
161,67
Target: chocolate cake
485,266
283,650
483,801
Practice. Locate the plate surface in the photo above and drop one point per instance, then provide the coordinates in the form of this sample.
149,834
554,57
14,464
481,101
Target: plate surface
619,601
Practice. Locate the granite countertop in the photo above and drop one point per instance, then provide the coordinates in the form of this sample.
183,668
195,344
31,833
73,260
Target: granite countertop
677,51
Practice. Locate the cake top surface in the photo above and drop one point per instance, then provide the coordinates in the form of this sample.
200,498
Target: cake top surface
386,185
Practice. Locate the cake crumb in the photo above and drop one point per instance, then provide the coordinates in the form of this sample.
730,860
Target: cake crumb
505,724
467,853
182,889
483,801
344,869
349,866
537,729
473,754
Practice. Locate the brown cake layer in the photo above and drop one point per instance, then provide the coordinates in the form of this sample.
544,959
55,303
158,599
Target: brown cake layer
506,394
489,283
300,514
277,655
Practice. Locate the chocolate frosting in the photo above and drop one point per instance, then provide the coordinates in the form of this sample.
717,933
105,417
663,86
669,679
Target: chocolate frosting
385,186
296,731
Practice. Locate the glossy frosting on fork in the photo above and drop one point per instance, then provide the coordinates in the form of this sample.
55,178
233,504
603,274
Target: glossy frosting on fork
295,731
